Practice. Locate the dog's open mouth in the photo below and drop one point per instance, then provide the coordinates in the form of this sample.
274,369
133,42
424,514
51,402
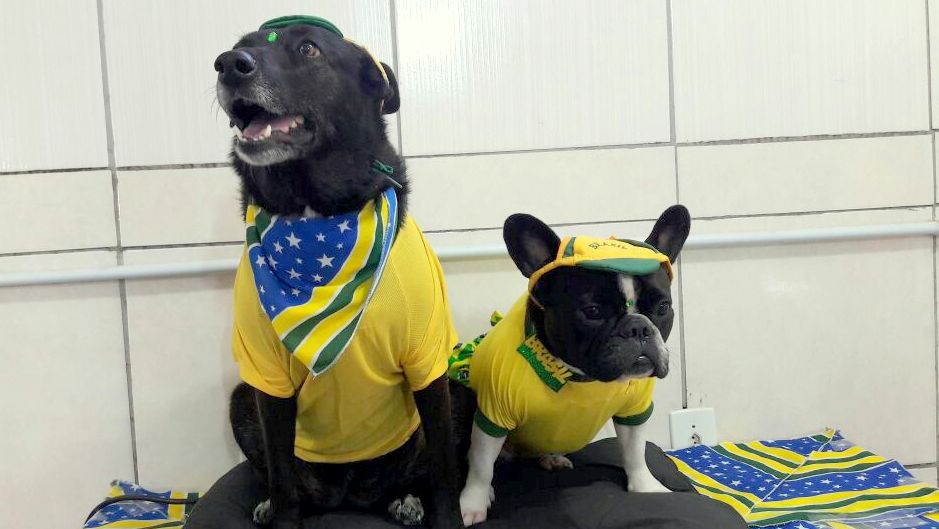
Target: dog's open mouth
252,122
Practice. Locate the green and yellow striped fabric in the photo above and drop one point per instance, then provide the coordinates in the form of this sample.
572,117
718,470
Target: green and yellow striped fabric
817,482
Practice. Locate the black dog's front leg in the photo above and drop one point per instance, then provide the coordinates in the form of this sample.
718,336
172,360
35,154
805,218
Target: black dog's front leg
433,405
278,426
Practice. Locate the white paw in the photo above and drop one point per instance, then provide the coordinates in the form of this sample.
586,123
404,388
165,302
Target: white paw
475,502
555,462
644,482
263,513
407,511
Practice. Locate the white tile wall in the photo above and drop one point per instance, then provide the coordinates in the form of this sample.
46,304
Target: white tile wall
806,175
162,79
55,211
809,336
51,99
848,329
925,474
459,192
502,75
65,413
933,7
762,68
180,206
183,372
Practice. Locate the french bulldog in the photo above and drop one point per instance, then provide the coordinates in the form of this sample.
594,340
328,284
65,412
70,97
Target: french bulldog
592,330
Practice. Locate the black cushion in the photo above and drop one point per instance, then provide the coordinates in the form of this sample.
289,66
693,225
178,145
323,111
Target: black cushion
591,496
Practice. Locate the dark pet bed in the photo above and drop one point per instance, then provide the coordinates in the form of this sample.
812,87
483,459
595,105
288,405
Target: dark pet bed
591,496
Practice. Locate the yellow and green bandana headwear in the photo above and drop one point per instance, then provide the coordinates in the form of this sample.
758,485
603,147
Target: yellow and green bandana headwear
317,22
623,256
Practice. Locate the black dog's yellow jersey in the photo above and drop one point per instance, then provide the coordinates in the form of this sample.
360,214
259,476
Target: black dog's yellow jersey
363,406
525,393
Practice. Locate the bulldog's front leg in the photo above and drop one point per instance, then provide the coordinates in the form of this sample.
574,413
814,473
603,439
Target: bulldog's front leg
632,440
477,494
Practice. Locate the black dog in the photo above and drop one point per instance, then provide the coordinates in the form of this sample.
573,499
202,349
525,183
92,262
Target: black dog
307,109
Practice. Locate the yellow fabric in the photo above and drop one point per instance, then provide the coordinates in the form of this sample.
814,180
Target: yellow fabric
610,254
512,396
363,406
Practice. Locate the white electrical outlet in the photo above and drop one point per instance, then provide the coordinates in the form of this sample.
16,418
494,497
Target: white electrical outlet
695,426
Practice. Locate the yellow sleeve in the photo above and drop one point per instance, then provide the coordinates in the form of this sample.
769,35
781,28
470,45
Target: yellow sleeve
432,342
639,408
493,411
263,361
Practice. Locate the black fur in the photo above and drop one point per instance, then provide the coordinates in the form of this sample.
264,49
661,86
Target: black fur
325,165
582,318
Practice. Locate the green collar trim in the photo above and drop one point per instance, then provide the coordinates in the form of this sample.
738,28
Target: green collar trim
290,20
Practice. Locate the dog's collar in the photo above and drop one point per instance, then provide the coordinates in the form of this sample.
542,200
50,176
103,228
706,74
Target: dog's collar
554,372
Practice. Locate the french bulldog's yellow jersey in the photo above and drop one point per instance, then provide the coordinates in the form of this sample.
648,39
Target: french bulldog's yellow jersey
524,392
362,407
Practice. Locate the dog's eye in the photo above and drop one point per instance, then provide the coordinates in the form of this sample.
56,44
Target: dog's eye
308,49
593,312
662,309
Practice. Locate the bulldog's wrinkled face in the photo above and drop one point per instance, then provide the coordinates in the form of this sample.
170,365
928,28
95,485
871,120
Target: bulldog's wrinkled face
604,325
608,326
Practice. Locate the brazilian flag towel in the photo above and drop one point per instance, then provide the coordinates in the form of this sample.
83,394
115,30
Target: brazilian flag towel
818,482
142,514
315,276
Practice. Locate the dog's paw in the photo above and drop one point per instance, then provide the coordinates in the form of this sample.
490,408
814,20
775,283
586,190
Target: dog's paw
474,504
263,513
644,482
555,462
407,511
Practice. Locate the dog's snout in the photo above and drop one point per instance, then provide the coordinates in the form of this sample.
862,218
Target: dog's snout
637,328
235,66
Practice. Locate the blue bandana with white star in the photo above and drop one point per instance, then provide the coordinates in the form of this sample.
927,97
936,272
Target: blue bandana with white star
315,276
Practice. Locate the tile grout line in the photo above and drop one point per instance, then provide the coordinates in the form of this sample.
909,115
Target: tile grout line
673,139
119,254
935,292
393,15
744,141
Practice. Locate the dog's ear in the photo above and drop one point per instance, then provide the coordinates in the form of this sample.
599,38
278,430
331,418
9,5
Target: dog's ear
531,243
392,99
671,231
374,84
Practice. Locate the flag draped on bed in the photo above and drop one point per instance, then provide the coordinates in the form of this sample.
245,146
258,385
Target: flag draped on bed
817,482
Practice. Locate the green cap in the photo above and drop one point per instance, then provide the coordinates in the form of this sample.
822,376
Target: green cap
290,20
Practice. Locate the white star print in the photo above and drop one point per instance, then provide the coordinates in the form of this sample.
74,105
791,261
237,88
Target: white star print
826,481
272,262
344,226
325,261
837,487
895,470
299,261
293,274
320,237
260,261
293,240
282,293
317,278
339,246
272,307
761,489
278,247
262,290
295,292
705,456
735,482
861,478
712,466
287,222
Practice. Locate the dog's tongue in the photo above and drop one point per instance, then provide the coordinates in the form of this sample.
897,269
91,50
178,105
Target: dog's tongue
259,124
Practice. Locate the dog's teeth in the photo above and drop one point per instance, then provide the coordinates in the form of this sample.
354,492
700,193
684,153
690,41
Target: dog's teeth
238,133
266,133
300,120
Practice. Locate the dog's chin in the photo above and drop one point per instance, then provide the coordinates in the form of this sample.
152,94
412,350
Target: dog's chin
266,153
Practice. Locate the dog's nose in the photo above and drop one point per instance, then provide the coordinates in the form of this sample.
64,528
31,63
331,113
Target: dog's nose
235,66
637,328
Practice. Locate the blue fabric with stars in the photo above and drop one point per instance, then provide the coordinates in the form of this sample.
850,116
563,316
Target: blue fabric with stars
297,254
732,470
140,513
